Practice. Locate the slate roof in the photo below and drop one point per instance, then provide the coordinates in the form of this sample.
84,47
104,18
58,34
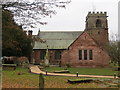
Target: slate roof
56,40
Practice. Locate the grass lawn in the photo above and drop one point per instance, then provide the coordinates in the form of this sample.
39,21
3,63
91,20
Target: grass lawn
11,79
87,71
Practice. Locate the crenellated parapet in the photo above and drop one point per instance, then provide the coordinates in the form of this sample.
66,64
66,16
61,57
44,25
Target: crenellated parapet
96,20
97,14
97,26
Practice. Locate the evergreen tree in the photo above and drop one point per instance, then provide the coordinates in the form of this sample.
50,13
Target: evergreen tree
15,42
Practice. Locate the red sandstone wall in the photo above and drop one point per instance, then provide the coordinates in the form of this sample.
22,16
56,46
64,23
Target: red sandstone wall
36,56
85,42
101,36
52,60
65,58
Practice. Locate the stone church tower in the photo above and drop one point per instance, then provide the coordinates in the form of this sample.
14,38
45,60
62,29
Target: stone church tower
97,27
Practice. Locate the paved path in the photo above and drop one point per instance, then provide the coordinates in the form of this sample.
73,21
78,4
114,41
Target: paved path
36,70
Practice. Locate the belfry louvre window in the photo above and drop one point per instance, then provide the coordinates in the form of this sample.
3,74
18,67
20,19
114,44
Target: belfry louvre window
98,23
42,55
85,54
58,55
90,54
80,54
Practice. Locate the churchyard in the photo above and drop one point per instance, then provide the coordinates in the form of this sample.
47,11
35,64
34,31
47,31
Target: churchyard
23,78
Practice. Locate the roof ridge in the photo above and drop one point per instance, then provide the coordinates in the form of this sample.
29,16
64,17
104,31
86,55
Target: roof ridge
61,31
57,39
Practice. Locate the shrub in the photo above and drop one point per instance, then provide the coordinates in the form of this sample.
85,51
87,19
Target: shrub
23,61
68,65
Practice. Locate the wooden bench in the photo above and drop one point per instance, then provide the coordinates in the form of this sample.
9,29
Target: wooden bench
79,80
9,66
62,71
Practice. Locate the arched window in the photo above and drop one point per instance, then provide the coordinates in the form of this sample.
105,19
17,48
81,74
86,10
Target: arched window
98,23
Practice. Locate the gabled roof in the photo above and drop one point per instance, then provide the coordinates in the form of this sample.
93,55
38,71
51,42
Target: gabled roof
56,40
81,35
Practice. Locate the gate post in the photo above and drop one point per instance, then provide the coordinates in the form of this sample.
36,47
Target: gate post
41,82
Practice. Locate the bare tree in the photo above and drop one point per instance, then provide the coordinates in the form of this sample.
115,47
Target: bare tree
28,13
113,49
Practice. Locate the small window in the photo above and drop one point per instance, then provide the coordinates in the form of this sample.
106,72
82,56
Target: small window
85,54
98,32
42,55
58,55
85,37
80,54
90,54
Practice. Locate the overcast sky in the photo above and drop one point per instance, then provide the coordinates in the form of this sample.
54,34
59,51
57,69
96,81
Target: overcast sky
73,17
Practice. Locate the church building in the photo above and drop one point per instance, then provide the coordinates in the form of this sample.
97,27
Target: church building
75,48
